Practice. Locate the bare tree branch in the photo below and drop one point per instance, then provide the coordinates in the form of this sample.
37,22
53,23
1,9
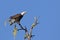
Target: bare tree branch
28,35
33,25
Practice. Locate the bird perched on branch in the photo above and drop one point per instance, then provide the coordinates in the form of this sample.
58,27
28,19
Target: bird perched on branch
16,18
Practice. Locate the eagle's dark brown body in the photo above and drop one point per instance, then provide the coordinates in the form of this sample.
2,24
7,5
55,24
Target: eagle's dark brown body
17,17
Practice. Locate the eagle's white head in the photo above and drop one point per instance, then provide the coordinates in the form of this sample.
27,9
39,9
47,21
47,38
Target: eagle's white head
23,13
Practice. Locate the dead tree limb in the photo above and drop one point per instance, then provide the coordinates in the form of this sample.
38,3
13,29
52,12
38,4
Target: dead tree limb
28,35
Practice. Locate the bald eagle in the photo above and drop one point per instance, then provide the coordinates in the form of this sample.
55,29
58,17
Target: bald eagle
16,18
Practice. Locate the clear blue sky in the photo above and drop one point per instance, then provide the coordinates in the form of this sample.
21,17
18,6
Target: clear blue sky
47,10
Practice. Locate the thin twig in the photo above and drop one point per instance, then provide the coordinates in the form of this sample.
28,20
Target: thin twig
33,25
